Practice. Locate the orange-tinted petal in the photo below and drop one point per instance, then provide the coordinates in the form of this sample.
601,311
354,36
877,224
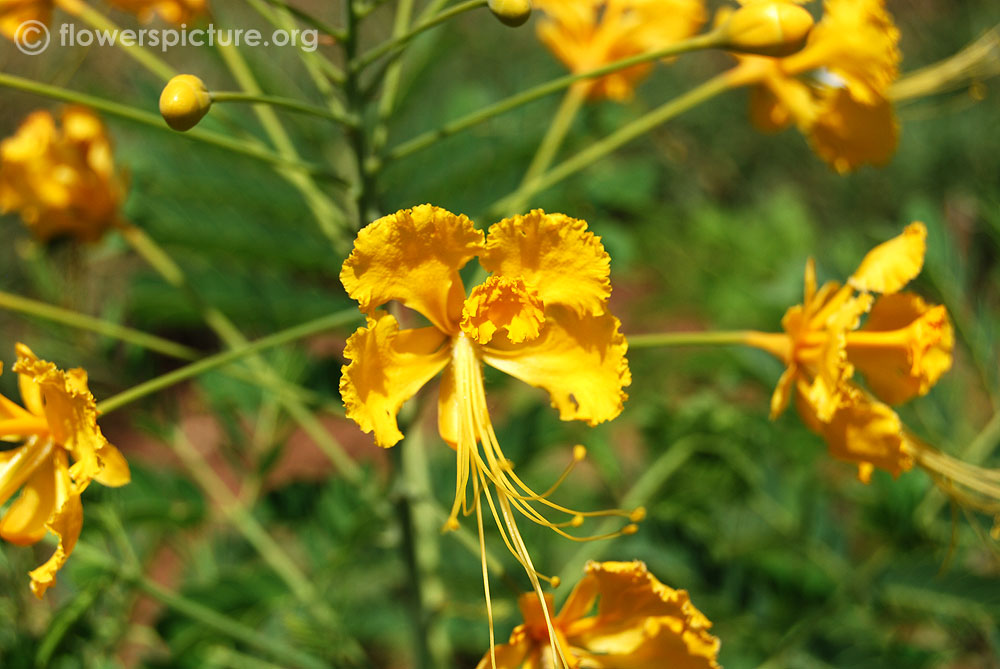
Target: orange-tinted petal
387,367
114,468
510,655
580,361
502,303
413,257
556,257
903,348
892,264
848,134
24,522
640,622
65,524
865,432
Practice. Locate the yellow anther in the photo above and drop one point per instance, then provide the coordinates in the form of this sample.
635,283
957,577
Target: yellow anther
577,521
555,581
631,528
638,514
579,452
511,12
767,28
184,102
450,525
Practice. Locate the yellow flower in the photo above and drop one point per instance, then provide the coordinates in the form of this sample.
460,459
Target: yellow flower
835,88
171,11
586,34
902,349
639,623
13,13
542,317
58,422
61,180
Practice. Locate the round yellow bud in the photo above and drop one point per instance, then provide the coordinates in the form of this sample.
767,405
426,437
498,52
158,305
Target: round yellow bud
184,102
767,28
511,12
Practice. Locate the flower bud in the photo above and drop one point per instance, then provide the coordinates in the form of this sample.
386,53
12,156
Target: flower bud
511,12
184,102
767,28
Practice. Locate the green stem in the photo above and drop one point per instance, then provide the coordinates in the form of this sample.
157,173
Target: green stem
623,135
286,103
364,186
101,23
422,141
390,86
199,613
713,338
329,217
233,338
256,535
84,322
362,61
156,121
315,326
334,32
553,139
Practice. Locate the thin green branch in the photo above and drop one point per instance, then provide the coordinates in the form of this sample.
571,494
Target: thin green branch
315,326
334,32
211,619
623,135
154,120
362,61
422,141
285,103
711,338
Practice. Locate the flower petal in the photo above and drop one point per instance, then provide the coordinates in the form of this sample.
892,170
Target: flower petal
580,361
413,257
501,303
387,367
556,256
70,411
848,134
866,432
24,522
892,264
641,622
65,524
115,470
910,350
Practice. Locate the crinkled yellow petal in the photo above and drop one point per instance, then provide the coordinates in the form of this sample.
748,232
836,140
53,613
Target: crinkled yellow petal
502,303
904,347
556,257
848,134
831,368
892,264
640,622
24,522
115,471
580,361
413,257
65,524
70,411
865,432
783,391
387,367
767,114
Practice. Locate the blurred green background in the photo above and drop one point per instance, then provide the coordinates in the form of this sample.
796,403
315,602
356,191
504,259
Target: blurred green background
708,223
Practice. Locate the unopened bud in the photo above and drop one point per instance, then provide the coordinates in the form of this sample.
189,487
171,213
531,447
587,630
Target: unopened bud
511,12
767,28
184,102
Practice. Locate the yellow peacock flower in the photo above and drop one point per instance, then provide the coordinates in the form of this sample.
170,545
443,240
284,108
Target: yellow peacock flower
638,622
902,349
541,316
835,89
586,34
62,180
58,422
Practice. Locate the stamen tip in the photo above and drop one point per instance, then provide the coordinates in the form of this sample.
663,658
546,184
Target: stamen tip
577,521
631,528
450,525
579,452
638,514
555,581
